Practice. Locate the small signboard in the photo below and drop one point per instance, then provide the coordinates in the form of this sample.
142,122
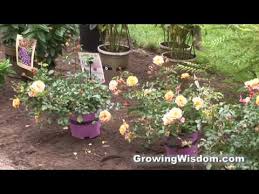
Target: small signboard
25,49
92,63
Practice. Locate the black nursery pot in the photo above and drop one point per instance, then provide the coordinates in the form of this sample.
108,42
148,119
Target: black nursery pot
89,39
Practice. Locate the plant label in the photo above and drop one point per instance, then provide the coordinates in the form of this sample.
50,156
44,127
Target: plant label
25,49
93,61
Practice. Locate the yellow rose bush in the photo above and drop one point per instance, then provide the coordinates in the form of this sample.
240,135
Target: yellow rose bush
235,129
163,108
67,98
33,94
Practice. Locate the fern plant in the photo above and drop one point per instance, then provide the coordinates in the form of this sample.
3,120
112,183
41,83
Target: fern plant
191,67
232,50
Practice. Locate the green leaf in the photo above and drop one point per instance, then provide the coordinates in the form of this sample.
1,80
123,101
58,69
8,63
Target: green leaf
42,37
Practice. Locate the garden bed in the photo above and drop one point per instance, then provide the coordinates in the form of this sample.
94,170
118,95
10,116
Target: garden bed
29,147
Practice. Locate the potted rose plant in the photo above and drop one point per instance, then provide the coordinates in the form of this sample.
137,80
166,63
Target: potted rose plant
76,101
172,110
179,41
235,131
115,51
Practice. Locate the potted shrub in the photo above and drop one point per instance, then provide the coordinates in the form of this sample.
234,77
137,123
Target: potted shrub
9,33
171,109
76,101
235,131
179,41
115,51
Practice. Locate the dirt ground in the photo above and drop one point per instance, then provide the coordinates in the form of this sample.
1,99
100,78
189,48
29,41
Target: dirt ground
23,145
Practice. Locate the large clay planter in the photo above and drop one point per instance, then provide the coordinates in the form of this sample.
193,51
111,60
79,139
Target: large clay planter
113,61
86,129
189,58
177,149
165,46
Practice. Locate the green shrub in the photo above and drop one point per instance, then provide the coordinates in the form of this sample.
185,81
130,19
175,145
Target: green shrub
4,70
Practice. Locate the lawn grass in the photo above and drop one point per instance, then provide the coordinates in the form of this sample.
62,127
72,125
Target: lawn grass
228,51
146,36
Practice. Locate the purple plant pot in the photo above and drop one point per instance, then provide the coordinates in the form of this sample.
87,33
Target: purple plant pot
193,137
177,149
86,129
191,151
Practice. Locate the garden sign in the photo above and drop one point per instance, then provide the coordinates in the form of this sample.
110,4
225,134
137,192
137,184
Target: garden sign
92,63
25,49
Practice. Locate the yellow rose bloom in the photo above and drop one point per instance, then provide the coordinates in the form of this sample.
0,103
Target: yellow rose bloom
32,93
181,101
158,60
123,128
105,116
175,113
38,86
252,83
132,81
166,119
16,103
113,85
257,100
172,115
169,96
198,103
185,76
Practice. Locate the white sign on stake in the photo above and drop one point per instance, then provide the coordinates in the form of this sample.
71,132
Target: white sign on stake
96,66
25,49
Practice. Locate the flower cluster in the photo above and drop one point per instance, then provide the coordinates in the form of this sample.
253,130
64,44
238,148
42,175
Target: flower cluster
252,87
235,129
124,131
163,107
50,94
36,88
116,86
